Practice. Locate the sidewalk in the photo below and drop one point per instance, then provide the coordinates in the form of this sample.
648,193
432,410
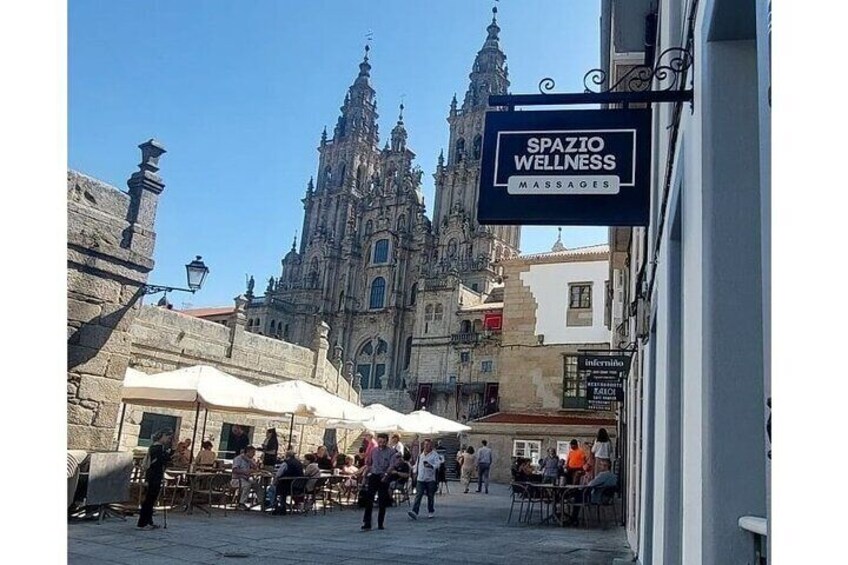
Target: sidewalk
468,528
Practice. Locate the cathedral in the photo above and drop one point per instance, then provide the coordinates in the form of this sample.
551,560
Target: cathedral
385,275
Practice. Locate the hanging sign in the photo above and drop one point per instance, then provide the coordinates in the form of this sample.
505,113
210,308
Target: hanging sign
604,363
567,167
604,390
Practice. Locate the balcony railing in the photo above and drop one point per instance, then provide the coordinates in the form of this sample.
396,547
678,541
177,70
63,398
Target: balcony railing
465,338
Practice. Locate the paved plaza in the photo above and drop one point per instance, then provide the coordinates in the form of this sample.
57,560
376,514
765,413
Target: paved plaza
468,528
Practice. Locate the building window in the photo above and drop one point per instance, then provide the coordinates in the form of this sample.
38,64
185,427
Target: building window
437,313
369,227
378,293
580,296
459,155
574,384
528,448
579,305
464,356
152,423
407,353
381,252
478,145
412,294
229,441
428,313
486,366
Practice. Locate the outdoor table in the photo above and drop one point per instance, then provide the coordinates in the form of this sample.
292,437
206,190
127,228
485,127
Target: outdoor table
196,481
558,496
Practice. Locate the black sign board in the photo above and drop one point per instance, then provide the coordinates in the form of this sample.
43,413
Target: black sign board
567,167
604,363
604,390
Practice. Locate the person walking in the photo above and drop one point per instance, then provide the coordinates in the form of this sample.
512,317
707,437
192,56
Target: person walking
158,457
484,463
468,462
428,462
602,450
378,465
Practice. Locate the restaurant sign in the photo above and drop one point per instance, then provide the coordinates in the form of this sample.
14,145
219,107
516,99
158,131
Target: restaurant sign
603,363
567,167
605,390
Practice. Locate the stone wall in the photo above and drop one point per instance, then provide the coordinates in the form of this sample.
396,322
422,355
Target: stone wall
163,340
110,249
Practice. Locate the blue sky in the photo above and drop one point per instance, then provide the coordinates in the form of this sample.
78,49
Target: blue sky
238,92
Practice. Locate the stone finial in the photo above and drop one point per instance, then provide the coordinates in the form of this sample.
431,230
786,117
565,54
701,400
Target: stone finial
241,302
151,150
558,245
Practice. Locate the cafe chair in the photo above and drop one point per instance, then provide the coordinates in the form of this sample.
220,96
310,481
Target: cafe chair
606,499
519,495
400,492
317,492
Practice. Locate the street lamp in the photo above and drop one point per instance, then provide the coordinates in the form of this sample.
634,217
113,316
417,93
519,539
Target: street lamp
196,272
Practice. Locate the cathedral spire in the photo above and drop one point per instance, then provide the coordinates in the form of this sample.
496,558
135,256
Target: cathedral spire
488,75
399,134
359,111
558,245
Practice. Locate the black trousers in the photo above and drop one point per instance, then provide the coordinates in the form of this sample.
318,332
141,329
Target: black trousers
380,488
145,516
283,491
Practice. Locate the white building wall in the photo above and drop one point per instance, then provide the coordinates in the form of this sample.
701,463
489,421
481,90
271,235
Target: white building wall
549,284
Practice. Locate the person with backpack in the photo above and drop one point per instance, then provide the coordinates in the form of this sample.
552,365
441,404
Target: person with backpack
154,463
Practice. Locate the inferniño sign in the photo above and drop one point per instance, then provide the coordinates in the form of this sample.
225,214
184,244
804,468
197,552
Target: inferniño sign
576,167
602,363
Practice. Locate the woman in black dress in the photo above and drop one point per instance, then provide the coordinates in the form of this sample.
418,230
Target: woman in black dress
158,457
270,447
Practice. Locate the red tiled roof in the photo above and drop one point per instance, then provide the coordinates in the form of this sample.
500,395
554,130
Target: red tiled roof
203,312
544,419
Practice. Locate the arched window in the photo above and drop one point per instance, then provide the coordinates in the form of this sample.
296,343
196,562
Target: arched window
369,227
342,169
478,326
478,145
381,252
401,223
361,176
382,347
465,327
437,313
341,301
428,313
286,333
412,294
378,293
364,361
273,326
459,154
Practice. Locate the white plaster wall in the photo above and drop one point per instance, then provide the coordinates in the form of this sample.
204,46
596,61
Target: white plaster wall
549,285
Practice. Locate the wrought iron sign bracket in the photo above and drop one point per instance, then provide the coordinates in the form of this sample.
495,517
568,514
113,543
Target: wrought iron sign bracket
668,74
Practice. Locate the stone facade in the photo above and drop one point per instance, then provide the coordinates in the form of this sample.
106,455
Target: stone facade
163,340
110,250
369,254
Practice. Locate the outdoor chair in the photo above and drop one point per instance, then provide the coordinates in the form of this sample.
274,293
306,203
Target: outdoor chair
584,503
519,495
297,493
535,497
176,484
400,492
333,491
318,491
606,497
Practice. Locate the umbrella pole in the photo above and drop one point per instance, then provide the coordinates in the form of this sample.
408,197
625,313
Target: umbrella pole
291,431
194,434
300,441
203,433
121,425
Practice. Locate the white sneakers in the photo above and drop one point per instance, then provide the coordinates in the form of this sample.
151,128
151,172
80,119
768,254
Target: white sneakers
431,515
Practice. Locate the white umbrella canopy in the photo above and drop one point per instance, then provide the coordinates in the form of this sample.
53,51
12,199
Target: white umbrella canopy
384,419
300,398
422,422
189,388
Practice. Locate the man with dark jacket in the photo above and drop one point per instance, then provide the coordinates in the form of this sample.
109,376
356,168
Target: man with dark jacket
158,456
290,468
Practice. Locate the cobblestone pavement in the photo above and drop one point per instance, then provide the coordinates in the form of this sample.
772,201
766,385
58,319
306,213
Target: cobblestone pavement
468,528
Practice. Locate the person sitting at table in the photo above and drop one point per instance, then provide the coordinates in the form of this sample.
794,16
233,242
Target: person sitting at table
206,457
399,475
603,480
290,468
323,459
359,458
181,455
243,467
574,463
350,471
550,467
311,470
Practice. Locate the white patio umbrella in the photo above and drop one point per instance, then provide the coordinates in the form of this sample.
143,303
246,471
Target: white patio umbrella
300,398
422,422
200,386
384,419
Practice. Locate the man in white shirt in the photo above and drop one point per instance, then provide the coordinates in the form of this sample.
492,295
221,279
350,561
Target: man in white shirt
484,463
428,462
395,444
243,468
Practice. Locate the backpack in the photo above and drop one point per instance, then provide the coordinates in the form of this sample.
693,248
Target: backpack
406,453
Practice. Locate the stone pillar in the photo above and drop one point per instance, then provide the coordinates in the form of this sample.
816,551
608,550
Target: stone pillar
145,187
238,323
110,248
321,346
